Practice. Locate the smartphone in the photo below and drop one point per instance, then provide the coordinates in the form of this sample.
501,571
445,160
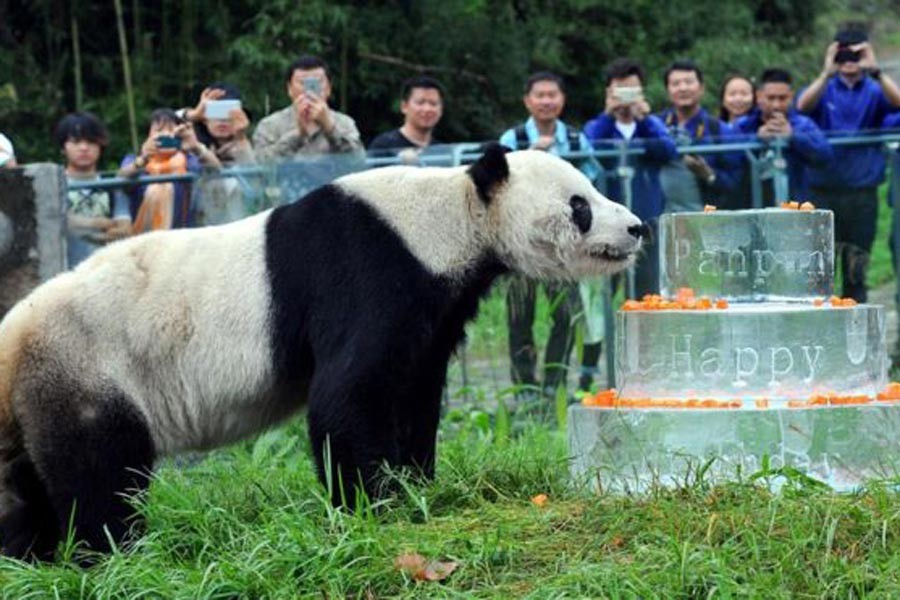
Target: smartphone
627,94
169,142
312,85
220,109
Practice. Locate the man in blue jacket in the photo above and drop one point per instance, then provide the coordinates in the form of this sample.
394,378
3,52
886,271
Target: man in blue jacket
690,181
851,95
626,116
775,118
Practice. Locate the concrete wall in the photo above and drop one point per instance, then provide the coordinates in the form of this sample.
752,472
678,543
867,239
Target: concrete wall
32,229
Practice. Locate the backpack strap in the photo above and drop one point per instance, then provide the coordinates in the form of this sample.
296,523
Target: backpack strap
522,142
574,139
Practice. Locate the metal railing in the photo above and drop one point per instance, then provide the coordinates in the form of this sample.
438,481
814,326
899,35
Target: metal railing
768,157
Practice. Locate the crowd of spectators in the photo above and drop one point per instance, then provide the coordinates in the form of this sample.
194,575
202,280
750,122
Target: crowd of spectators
850,95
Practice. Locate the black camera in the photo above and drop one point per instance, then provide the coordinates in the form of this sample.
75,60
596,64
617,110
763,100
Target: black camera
845,55
846,37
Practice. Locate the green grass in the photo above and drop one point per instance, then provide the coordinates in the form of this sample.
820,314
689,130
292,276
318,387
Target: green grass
881,271
251,522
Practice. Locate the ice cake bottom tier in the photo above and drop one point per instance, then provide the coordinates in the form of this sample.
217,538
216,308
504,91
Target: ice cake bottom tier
762,352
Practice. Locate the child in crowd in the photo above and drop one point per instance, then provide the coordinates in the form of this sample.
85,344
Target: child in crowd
171,148
94,216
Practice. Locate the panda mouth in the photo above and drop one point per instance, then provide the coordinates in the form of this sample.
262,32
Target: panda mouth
609,253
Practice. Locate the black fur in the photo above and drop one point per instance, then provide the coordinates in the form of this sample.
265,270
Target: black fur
360,318
85,451
581,213
490,171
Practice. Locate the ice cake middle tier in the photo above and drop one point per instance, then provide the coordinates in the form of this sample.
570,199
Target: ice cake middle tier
774,351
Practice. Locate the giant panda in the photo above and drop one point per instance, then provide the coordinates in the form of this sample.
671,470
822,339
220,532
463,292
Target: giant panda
348,302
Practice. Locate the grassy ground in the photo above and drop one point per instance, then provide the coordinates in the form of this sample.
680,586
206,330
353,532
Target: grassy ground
250,522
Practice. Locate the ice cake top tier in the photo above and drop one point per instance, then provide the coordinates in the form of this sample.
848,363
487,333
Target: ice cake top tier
759,255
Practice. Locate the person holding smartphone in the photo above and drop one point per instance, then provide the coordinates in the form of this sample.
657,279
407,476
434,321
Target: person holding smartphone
171,148
774,118
222,123
308,126
851,95
626,117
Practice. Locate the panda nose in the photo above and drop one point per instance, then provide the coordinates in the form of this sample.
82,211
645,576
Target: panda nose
639,231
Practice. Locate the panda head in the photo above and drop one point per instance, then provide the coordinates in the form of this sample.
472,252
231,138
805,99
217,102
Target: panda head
546,220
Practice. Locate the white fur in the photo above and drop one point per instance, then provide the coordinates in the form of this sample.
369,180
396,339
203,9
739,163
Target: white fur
175,319
528,222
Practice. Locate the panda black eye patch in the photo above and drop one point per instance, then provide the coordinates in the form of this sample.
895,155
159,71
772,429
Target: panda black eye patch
581,213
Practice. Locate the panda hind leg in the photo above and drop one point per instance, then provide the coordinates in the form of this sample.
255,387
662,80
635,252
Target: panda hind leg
92,451
28,527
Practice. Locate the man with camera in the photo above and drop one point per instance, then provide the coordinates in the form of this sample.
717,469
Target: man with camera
691,180
627,118
851,95
308,126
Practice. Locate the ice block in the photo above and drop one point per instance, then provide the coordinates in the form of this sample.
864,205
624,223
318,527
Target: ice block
773,351
749,255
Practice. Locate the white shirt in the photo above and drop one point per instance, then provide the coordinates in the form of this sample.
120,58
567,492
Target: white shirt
626,129
6,150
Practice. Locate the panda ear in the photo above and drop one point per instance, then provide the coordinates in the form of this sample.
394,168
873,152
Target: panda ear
490,170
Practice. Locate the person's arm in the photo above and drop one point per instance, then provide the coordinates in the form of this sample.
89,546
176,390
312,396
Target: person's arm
601,128
274,139
659,146
809,98
727,166
343,135
808,141
869,63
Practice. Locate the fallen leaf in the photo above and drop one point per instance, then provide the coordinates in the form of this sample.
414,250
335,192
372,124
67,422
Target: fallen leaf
439,570
419,568
410,563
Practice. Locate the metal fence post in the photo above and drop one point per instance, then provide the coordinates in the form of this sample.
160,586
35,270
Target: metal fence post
625,173
779,172
894,191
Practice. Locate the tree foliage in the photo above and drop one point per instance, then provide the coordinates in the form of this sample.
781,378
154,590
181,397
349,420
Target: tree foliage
482,50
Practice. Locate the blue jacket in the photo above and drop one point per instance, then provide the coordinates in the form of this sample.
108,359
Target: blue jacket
807,147
647,195
706,129
849,111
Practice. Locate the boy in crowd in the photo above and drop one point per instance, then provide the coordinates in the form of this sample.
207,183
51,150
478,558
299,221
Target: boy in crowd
94,217
691,181
422,106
